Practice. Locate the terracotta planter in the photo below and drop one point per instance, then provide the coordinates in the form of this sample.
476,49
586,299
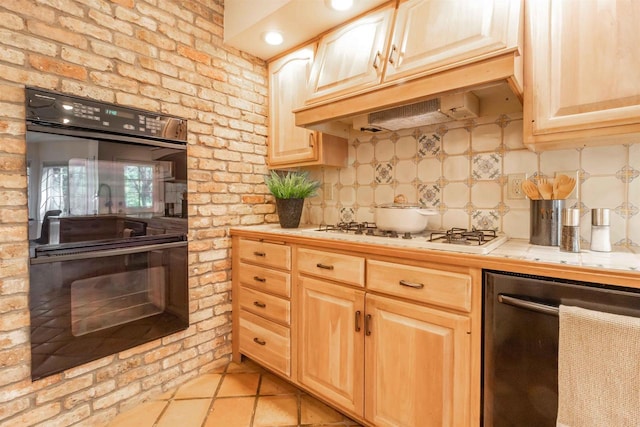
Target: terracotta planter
289,212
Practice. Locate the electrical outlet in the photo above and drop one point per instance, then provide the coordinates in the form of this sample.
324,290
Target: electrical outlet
573,174
514,186
327,189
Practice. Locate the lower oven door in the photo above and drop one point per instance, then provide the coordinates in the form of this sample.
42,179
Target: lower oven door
91,300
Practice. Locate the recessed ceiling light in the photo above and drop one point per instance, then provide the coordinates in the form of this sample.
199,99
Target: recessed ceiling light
340,4
273,38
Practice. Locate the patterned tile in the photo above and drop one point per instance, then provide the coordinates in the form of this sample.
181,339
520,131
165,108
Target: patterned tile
627,174
485,220
429,195
429,145
485,166
384,173
347,215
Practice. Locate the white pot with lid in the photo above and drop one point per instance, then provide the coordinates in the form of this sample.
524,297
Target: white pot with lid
402,217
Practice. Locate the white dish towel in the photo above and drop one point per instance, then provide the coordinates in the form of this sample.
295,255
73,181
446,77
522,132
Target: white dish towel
598,369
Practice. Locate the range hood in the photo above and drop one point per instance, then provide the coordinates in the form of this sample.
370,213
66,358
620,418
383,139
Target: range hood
444,109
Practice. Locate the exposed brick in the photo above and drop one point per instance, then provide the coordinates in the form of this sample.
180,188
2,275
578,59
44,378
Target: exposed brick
58,34
116,396
108,50
134,45
113,81
54,66
86,59
68,418
64,389
27,77
31,8
11,21
128,15
13,407
158,14
83,27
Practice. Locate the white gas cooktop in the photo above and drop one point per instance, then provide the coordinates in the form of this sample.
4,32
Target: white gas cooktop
419,241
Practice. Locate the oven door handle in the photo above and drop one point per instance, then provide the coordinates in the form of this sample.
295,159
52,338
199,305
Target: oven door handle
107,252
528,305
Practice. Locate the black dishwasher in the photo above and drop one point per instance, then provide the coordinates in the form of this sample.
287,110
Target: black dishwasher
520,341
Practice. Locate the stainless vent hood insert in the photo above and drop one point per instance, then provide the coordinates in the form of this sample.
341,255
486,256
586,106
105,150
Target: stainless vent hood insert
433,111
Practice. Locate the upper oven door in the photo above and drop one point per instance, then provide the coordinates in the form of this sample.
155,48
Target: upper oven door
92,185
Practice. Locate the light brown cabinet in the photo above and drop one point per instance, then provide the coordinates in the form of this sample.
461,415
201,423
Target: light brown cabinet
428,36
290,145
261,303
384,340
352,57
417,362
331,347
392,362
431,35
581,84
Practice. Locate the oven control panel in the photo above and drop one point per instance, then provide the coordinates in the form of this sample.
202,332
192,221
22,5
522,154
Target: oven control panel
53,108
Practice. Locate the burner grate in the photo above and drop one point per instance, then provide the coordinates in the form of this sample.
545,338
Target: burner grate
462,236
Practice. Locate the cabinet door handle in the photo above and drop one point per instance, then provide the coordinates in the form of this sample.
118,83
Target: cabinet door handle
256,253
259,304
358,314
367,325
324,266
393,49
259,279
259,341
375,60
312,139
411,284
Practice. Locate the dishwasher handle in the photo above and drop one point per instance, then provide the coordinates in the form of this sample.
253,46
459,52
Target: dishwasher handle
528,305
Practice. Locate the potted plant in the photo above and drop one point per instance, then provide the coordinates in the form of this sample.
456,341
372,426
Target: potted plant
290,189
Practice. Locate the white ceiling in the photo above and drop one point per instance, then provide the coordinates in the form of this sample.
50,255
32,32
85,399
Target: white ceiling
298,20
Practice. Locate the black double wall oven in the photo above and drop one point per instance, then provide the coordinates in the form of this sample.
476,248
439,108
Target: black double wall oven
108,266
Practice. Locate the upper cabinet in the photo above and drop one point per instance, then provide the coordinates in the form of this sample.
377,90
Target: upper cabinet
430,35
422,49
351,57
290,145
582,63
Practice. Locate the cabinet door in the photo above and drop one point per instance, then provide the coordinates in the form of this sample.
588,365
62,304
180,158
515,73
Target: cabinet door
432,35
417,365
352,57
582,62
331,342
288,86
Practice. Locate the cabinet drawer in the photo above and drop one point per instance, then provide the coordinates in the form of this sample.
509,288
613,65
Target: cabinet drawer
266,342
328,265
452,290
265,305
264,279
269,254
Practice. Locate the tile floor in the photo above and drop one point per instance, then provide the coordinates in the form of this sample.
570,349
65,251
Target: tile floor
236,395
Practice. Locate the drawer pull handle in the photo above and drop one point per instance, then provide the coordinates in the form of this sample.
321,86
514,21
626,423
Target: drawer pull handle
259,341
393,49
375,60
259,304
262,254
411,284
358,314
259,279
324,266
367,325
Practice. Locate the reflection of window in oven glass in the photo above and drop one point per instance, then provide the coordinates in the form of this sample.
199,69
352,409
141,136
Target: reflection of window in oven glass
54,188
138,186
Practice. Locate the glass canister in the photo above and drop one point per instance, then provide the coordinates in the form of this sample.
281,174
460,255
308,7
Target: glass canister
570,237
600,230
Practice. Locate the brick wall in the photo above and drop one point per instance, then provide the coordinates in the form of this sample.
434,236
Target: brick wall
162,55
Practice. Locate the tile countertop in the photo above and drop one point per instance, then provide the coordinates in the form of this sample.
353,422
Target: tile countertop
621,259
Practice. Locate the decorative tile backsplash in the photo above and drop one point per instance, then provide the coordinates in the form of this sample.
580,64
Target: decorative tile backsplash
461,170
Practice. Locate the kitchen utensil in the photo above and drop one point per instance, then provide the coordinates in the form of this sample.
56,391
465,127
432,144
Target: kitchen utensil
545,188
562,189
531,190
402,217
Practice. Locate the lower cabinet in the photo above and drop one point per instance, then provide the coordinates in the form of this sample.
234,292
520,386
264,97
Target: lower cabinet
392,362
416,365
331,345
386,341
